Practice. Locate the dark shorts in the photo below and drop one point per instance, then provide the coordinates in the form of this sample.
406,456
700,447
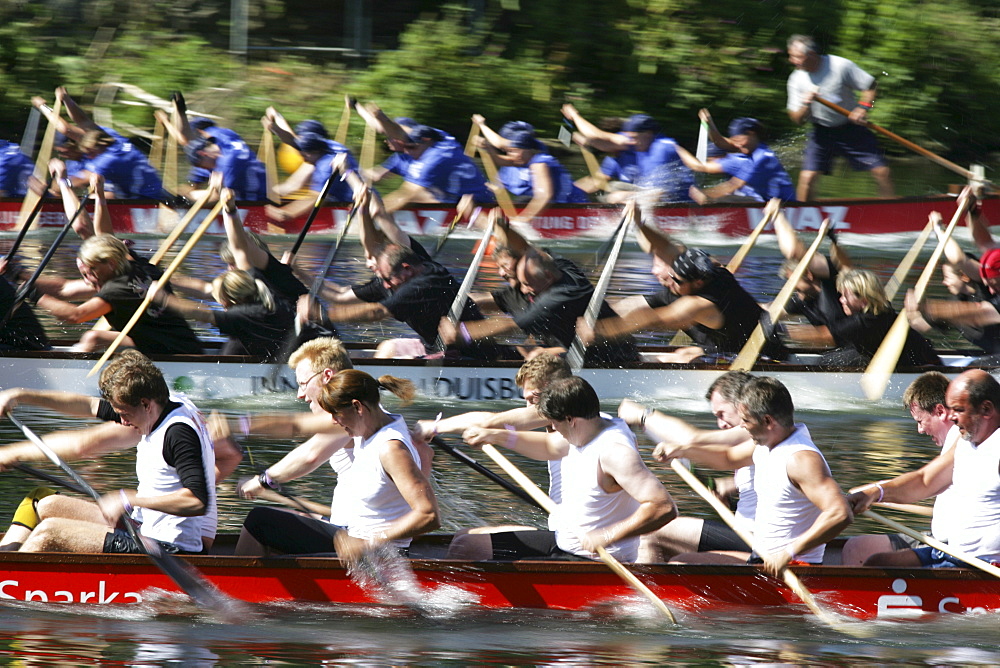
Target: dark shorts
514,545
933,558
120,542
901,541
716,536
289,532
854,142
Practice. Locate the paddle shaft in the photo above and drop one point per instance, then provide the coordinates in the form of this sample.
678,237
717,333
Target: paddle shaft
737,260
898,276
150,293
751,350
457,454
26,225
184,576
48,477
947,164
451,228
503,197
876,376
729,518
180,227
550,506
577,349
331,255
312,214
936,544
907,507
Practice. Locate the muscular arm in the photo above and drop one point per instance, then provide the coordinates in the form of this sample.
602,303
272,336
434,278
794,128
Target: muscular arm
363,312
929,480
792,247
596,137
625,470
523,418
303,460
809,473
415,490
965,313
408,193
536,445
810,335
696,165
93,308
247,255
541,185
681,314
72,445
718,456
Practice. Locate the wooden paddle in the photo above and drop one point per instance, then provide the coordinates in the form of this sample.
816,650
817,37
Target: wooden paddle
156,145
368,150
936,544
289,500
751,350
179,228
193,583
458,303
737,260
947,164
150,293
790,578
345,121
26,225
550,507
41,163
577,349
892,287
907,508
503,197
267,156
876,377
470,143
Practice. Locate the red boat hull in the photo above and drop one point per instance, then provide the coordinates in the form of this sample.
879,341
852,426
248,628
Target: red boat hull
734,220
858,592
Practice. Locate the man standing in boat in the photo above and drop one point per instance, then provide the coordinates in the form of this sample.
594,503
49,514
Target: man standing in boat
608,496
834,79
971,469
926,401
800,507
174,503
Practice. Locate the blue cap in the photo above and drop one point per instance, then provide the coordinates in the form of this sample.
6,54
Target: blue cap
741,126
405,121
524,139
200,123
312,126
195,147
511,127
310,142
421,132
640,123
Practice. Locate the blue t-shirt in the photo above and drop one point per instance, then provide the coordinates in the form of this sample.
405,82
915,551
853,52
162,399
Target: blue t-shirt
517,180
764,175
657,167
340,191
15,168
445,171
126,171
241,170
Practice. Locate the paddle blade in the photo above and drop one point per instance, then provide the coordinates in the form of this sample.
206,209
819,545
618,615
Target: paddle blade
879,371
702,151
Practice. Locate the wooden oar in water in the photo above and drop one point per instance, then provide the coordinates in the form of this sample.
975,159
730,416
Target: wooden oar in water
916,148
550,507
898,276
151,293
790,578
876,377
751,350
193,583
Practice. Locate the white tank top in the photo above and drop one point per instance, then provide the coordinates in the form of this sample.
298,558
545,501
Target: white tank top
947,510
976,484
746,508
585,507
783,511
340,462
157,478
366,498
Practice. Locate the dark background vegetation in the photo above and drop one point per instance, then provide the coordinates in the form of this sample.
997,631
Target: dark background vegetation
937,61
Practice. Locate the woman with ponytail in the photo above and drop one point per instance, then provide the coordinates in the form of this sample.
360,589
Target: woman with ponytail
383,498
254,322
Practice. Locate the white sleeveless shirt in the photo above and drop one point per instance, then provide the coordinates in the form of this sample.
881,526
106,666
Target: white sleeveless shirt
783,511
976,483
585,507
947,509
157,478
365,498
340,462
